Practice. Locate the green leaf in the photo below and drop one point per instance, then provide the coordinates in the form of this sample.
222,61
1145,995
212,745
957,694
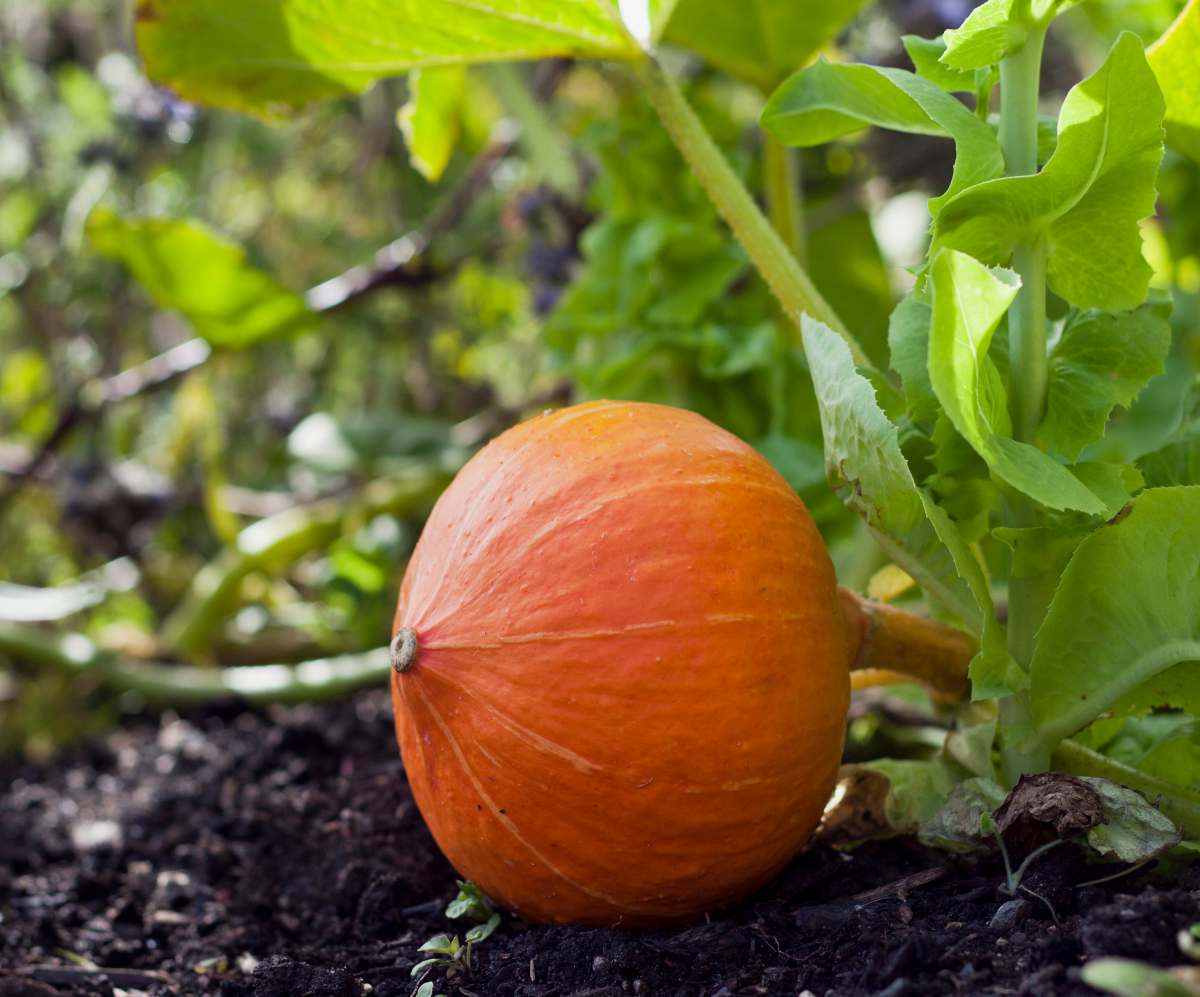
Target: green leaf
1128,978
845,263
1100,361
969,300
1133,831
993,672
440,943
864,462
481,932
271,57
186,267
759,41
990,32
908,341
1177,463
1086,203
956,827
430,119
1127,609
1174,58
826,101
469,902
926,55
918,789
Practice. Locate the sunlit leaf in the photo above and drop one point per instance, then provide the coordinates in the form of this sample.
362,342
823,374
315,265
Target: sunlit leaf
969,301
759,41
185,267
274,56
1174,58
430,119
990,32
826,101
1086,203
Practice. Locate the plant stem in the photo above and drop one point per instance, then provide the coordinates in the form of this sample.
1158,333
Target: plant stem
165,684
1020,75
542,141
1180,803
785,195
779,268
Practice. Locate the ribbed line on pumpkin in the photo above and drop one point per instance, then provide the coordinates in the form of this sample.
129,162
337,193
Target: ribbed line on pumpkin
629,630
548,423
507,823
518,730
560,522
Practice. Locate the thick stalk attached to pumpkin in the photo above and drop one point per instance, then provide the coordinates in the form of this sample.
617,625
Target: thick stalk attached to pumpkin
888,645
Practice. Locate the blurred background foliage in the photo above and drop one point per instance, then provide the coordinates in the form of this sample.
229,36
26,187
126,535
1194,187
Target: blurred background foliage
239,478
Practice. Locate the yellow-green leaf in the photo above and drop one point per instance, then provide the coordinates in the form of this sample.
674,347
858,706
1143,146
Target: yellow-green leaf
270,57
430,120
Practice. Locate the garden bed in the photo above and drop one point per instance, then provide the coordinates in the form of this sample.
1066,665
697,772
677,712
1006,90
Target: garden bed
245,854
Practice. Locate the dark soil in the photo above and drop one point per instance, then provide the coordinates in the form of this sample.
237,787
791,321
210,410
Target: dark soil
281,855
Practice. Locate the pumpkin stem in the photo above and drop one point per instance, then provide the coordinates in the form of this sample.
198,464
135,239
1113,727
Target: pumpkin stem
404,649
888,645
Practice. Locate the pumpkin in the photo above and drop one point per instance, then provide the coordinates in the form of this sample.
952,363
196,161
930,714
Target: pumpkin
621,668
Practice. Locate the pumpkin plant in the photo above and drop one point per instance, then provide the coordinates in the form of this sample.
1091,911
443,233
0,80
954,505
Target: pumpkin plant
986,462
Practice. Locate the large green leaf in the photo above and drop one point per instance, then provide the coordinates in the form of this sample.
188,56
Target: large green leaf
1086,203
187,268
846,265
826,101
1100,361
1127,609
969,300
274,56
759,41
864,462
1174,58
430,119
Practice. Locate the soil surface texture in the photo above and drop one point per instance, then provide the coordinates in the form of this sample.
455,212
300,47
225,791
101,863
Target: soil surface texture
281,855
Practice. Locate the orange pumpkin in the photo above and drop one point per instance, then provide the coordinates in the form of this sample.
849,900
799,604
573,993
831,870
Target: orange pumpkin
621,674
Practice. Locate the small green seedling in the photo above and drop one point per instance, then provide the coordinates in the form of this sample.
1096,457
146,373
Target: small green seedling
470,903
1013,877
451,953
1189,942
1128,978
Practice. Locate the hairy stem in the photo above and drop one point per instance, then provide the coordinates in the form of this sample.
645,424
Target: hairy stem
787,279
785,195
1180,803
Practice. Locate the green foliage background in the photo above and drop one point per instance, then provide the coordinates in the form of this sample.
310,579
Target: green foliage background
588,264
